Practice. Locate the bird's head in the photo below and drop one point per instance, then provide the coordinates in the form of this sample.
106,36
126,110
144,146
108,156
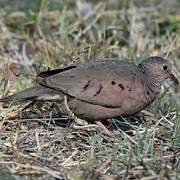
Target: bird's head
157,69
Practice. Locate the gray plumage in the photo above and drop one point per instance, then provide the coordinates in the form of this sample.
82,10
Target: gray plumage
103,89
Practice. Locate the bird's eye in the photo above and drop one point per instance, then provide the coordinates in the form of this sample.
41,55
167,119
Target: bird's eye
165,67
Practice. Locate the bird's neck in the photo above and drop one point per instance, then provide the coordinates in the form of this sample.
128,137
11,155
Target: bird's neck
152,85
150,91
153,81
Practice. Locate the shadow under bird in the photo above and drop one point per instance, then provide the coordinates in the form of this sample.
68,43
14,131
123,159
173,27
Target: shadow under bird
103,89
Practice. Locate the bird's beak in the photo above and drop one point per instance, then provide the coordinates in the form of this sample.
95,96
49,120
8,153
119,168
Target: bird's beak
171,76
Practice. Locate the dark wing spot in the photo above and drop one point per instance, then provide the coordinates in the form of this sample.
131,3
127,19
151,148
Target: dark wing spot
121,86
86,86
72,76
148,93
129,89
99,90
113,82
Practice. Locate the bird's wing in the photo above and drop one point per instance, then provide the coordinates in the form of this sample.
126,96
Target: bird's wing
107,83
49,73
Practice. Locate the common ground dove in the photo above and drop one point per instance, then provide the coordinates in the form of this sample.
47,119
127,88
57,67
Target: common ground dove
103,89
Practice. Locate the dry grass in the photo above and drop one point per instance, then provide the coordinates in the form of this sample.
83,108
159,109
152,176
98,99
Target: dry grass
41,143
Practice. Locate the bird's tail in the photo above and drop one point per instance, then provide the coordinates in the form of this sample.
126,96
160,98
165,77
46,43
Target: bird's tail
37,92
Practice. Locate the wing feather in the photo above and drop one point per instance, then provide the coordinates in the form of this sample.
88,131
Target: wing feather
105,83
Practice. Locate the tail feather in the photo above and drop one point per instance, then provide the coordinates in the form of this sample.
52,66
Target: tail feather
37,92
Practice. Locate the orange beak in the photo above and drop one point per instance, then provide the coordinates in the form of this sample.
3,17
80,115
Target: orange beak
171,76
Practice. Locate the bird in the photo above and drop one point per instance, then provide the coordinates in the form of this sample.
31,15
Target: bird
102,89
